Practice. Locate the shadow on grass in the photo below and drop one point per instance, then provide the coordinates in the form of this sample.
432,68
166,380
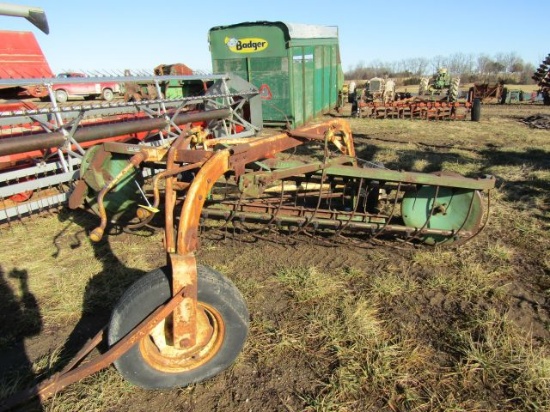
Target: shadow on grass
102,291
407,158
101,294
20,319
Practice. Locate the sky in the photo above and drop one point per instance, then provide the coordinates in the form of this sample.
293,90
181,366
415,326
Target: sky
111,36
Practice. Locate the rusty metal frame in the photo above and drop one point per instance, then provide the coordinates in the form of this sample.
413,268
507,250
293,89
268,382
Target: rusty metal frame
182,247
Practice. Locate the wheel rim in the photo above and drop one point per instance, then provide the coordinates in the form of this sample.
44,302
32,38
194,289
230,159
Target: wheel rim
160,353
61,96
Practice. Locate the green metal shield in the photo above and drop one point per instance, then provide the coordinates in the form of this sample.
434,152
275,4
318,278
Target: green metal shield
457,210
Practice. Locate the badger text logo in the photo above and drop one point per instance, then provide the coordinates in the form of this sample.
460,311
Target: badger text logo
246,45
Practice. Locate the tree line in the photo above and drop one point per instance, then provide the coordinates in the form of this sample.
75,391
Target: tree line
507,67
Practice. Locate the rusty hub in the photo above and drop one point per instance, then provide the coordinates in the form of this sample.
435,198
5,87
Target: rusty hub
159,351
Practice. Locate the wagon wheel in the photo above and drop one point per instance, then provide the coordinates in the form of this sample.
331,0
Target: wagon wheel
455,209
154,362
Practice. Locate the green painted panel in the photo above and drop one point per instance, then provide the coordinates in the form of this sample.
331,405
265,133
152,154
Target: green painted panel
247,41
298,78
321,83
271,76
309,83
237,66
297,87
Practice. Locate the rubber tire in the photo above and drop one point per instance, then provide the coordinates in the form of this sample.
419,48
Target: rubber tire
476,110
61,96
107,95
454,89
423,86
152,290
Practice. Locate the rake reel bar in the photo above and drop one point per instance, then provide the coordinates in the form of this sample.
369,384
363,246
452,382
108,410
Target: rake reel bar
42,144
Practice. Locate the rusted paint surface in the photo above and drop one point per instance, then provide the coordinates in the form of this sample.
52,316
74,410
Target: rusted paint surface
184,277
187,237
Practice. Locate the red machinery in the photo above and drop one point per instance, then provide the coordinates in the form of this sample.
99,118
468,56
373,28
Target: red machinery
42,144
21,56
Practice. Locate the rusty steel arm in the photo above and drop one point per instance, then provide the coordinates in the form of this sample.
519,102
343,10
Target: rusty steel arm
338,133
135,161
181,249
235,159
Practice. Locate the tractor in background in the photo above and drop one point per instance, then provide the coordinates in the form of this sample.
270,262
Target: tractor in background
441,84
379,89
376,91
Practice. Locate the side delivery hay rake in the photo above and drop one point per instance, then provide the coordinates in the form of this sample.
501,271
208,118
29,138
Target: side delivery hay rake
185,323
193,159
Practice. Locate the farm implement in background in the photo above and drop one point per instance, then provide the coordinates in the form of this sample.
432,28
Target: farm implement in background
437,99
184,323
42,144
414,108
542,77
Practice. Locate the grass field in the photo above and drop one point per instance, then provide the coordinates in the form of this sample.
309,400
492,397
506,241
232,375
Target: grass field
347,327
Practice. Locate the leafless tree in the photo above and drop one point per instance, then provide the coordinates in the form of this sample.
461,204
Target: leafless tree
483,63
483,68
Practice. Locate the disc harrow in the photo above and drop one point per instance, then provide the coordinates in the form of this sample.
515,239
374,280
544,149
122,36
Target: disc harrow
413,109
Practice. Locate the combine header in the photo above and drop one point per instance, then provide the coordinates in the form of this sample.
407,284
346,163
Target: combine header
42,144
